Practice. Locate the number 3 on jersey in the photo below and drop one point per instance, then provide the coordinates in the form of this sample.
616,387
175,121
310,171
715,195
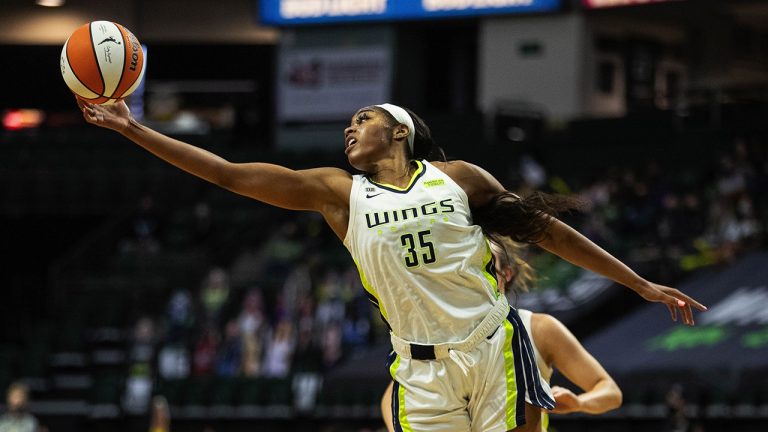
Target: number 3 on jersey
425,248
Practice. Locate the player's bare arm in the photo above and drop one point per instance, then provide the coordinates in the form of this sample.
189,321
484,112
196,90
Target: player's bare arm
569,244
560,348
573,247
325,190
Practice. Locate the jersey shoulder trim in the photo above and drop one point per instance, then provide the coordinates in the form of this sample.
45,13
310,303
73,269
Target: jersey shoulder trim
420,170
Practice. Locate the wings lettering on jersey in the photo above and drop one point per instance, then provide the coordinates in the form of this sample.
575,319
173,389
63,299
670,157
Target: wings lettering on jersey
411,213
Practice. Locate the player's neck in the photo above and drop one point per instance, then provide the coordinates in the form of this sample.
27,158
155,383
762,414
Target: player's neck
396,172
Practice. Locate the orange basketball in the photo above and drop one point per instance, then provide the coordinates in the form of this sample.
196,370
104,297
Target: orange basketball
102,62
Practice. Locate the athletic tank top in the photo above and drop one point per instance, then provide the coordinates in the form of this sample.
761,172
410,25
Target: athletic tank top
421,260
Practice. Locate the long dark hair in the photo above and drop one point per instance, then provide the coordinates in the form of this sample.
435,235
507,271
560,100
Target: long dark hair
524,220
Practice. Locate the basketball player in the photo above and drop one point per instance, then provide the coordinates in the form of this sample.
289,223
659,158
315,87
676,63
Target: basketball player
553,346
408,225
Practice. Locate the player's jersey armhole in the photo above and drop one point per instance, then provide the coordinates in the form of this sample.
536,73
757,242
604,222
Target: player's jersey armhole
357,180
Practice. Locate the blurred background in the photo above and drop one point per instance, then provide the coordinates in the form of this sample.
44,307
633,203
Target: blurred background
133,293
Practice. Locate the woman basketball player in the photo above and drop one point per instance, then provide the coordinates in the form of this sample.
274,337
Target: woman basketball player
408,225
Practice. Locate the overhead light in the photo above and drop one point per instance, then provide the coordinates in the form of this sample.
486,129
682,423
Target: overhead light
50,3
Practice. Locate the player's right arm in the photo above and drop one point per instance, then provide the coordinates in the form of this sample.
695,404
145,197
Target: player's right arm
325,190
560,348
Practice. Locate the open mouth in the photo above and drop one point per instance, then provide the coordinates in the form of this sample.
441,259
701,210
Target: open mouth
349,143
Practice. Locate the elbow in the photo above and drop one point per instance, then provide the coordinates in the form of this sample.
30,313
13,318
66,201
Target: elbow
618,397
610,397
223,175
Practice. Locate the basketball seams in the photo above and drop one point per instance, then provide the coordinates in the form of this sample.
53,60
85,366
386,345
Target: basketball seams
129,78
99,100
138,79
134,77
111,50
74,72
82,59
121,30
96,57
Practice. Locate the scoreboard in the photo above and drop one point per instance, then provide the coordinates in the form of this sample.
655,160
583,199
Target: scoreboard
296,12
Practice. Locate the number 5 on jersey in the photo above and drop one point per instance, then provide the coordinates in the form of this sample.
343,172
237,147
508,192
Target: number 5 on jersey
425,248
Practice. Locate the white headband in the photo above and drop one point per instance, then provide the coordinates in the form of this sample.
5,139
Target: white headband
401,116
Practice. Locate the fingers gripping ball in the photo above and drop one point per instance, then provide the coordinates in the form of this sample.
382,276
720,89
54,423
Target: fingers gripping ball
102,62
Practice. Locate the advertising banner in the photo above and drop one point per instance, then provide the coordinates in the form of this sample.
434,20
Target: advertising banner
730,337
328,84
295,12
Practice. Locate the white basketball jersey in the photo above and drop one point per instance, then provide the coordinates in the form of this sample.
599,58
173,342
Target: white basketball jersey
421,260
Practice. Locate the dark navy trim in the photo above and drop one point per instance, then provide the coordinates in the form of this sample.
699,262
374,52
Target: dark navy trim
519,375
531,370
490,268
375,303
390,359
389,327
396,407
372,298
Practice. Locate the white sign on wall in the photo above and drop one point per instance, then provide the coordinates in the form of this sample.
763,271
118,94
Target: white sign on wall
331,83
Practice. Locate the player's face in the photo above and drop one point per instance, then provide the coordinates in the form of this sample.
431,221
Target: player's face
368,138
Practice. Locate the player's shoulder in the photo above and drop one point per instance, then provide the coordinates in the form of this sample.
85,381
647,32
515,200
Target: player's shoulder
466,174
479,185
548,333
544,319
455,167
545,324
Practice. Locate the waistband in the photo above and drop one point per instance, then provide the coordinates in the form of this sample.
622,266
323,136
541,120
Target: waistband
487,326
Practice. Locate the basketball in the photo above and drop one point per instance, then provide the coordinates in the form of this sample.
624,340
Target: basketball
102,62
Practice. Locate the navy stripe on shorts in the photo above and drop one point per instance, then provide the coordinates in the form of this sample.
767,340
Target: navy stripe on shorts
525,362
396,407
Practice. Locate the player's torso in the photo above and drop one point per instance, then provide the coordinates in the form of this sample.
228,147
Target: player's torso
420,258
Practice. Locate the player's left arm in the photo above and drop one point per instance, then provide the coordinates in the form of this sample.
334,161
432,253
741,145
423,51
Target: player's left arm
572,246
560,239
560,348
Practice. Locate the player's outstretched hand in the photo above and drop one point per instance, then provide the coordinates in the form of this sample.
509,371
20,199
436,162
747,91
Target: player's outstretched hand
674,299
116,116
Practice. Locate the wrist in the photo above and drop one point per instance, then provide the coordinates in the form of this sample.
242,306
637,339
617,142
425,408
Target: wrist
581,403
131,124
639,285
